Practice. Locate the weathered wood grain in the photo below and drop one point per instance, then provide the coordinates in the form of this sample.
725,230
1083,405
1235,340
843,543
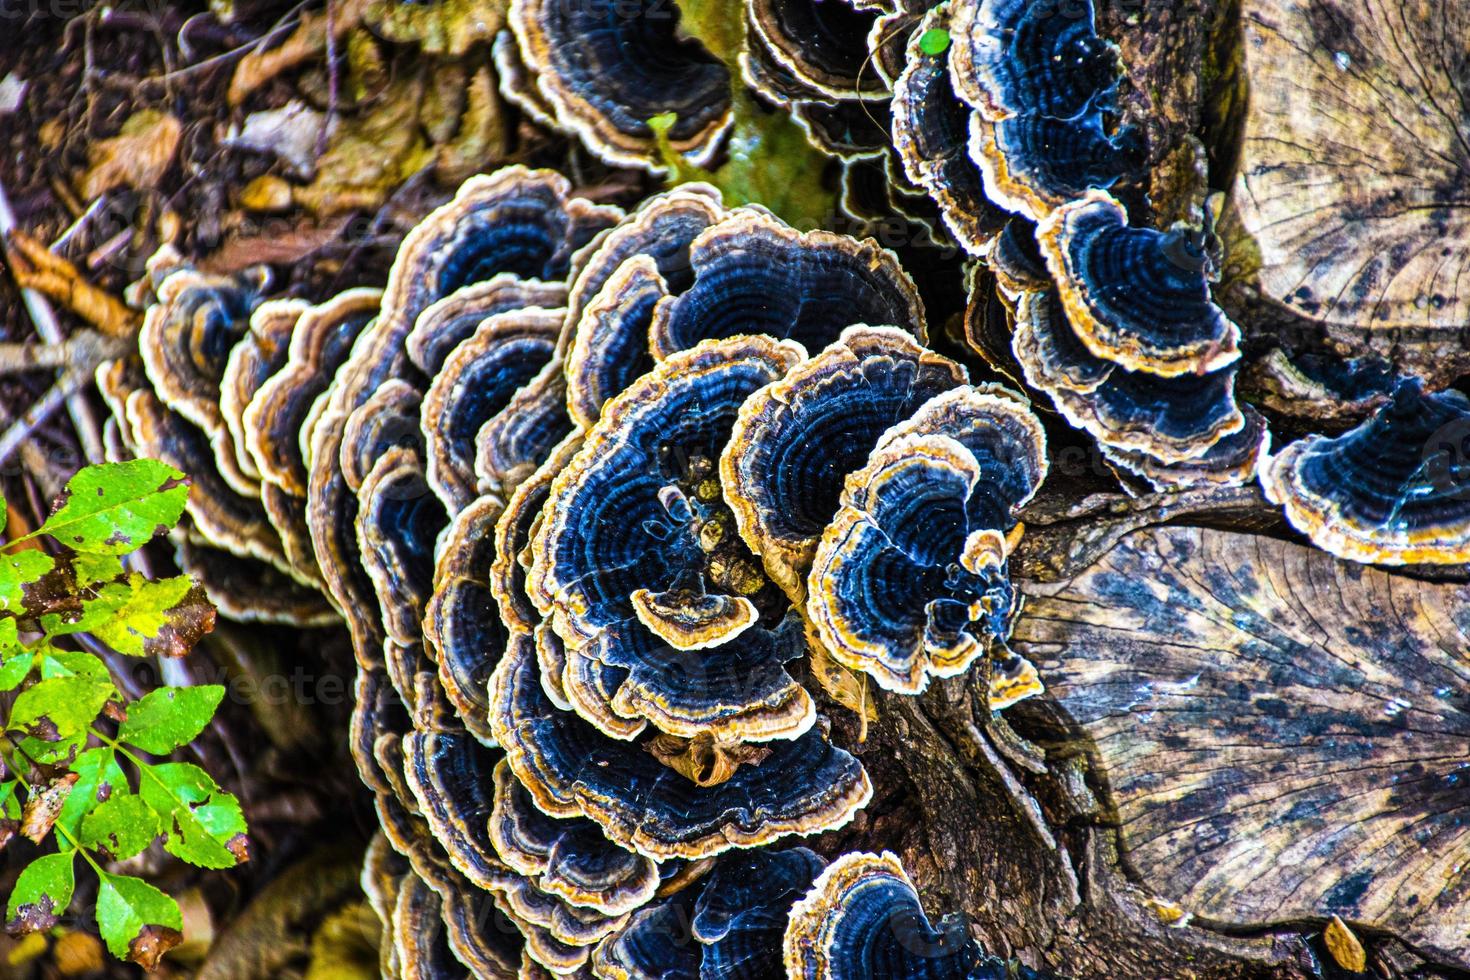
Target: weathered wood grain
1354,176
1280,736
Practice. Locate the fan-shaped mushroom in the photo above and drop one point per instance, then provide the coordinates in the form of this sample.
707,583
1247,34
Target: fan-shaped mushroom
862,918
909,580
605,67
1394,490
797,439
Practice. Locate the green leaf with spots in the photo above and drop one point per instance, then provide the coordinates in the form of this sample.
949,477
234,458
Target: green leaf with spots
41,894
115,508
122,824
59,707
162,720
137,921
18,569
204,824
153,608
47,753
99,778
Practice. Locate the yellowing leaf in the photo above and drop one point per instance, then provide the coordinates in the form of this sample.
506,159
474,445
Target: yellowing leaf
135,157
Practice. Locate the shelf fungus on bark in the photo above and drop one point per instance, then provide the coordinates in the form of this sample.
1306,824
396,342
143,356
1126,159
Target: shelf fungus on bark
606,67
1233,461
930,133
568,858
257,355
479,379
1279,736
446,323
639,568
797,438
1394,490
805,785
1350,193
729,924
187,336
615,285
451,778
862,918
510,569
910,579
463,631
1173,420
1042,85
398,522
1136,296
824,46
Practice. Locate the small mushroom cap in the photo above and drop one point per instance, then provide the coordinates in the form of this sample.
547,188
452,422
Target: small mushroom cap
1247,703
260,353
1172,420
275,415
823,45
846,129
398,522
478,380
753,274
862,918
798,437
249,591
611,346
909,580
1136,296
655,942
450,776
376,709
512,444
1032,164
606,68
1016,259
741,913
463,631
638,511
806,785
1234,461
513,531
448,322
1393,490
222,517
1016,58
1324,389
567,858
187,336
931,134
419,934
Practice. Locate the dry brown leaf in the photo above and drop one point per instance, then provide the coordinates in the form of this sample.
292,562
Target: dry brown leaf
135,157
308,41
704,760
34,266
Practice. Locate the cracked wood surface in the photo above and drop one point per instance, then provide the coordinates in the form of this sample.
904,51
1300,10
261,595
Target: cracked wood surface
1279,736
1354,177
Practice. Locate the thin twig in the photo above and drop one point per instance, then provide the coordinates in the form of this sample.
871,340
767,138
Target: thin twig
282,26
49,330
81,352
332,79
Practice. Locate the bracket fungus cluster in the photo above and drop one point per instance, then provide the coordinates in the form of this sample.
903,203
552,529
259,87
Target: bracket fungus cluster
598,495
624,509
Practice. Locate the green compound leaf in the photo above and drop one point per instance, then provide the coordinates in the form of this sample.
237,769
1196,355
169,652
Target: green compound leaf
42,893
115,508
99,777
203,823
60,707
17,569
137,921
47,753
934,41
162,720
122,825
